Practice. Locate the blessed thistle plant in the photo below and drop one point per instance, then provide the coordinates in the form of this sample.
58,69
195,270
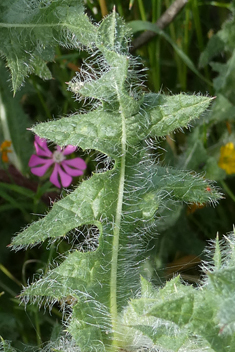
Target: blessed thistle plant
109,305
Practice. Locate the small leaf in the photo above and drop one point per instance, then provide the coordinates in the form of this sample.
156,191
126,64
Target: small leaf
114,33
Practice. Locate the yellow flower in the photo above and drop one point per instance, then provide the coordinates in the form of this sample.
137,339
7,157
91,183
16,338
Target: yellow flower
227,158
4,150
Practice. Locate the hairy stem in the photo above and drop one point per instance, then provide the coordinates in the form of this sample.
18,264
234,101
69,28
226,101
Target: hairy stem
116,232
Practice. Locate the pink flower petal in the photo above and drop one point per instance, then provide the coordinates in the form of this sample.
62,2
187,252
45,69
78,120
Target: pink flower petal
54,177
39,140
37,161
39,165
40,170
74,167
41,147
34,160
65,178
72,172
69,149
76,163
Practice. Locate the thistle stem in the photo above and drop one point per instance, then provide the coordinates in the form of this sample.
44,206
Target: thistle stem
116,234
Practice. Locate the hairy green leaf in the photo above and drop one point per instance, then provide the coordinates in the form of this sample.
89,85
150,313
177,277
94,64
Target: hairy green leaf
34,29
206,312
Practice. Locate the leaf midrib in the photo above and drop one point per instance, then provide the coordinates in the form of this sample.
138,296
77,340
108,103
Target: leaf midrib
36,25
117,225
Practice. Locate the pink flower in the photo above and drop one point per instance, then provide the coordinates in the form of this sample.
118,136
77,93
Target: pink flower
63,169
